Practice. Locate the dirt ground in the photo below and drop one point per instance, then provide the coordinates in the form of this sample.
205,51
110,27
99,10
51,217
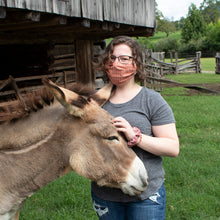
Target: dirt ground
210,86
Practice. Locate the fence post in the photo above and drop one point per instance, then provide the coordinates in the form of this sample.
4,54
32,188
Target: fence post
163,56
217,58
198,62
171,57
176,60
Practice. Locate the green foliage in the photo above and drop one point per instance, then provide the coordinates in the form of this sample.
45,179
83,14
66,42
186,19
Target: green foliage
176,35
166,44
193,46
213,37
166,26
147,42
210,10
194,25
200,30
144,42
179,24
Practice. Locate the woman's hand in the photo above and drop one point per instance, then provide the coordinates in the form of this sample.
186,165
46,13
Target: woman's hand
165,141
122,125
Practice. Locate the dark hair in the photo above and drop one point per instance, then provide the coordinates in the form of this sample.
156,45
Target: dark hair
136,53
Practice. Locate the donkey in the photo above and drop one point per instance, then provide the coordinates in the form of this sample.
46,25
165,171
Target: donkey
74,133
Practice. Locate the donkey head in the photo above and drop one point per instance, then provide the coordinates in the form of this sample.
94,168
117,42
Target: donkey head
98,152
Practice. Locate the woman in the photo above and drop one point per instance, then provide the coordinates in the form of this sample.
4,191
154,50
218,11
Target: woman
148,124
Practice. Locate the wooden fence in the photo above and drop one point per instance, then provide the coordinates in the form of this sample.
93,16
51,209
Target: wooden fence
155,69
157,63
217,58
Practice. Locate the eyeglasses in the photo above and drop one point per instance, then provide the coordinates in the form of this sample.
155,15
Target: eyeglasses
124,59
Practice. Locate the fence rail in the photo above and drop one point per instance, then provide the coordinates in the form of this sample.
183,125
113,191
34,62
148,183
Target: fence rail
155,69
156,62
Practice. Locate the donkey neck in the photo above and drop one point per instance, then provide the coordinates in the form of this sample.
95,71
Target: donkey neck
30,130
30,170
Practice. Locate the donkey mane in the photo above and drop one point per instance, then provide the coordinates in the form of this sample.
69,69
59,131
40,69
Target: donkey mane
34,101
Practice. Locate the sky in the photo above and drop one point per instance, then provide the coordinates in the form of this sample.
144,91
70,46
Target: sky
175,9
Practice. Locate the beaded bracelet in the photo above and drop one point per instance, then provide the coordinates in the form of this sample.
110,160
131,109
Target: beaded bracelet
136,139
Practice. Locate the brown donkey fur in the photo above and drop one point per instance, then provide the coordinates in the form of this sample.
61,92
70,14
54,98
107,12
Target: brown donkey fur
76,135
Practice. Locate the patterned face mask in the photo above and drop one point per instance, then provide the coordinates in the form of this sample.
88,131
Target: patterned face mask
119,73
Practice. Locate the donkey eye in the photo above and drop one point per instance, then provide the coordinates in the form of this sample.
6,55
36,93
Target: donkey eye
111,138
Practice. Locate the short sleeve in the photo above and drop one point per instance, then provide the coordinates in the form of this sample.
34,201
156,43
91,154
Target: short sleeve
161,113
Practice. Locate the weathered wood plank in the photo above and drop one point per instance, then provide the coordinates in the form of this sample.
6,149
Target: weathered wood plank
67,7
76,8
39,5
92,9
20,3
62,7
9,3
149,13
139,12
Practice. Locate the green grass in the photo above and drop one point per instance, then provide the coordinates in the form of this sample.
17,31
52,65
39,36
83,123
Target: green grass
161,35
195,78
192,179
208,64
65,198
149,41
189,78
143,41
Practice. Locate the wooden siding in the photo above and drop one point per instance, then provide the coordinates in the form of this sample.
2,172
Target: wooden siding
138,12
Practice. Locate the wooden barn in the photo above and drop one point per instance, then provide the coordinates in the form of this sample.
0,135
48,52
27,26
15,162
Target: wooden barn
59,38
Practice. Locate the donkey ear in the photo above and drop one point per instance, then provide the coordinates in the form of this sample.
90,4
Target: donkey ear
103,94
73,102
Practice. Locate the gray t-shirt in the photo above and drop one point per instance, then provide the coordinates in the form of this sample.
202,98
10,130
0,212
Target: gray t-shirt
147,108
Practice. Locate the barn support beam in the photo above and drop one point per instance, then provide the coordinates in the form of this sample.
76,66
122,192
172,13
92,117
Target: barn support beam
84,58
2,13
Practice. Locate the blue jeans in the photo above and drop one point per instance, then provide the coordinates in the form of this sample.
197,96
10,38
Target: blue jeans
152,208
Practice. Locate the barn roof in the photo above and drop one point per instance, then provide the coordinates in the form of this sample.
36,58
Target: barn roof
29,20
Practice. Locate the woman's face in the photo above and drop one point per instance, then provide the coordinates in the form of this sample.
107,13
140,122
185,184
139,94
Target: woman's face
120,68
122,54
122,49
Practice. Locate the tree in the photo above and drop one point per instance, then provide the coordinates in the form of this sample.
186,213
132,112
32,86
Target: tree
179,24
194,26
210,10
163,25
166,26
213,36
165,45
